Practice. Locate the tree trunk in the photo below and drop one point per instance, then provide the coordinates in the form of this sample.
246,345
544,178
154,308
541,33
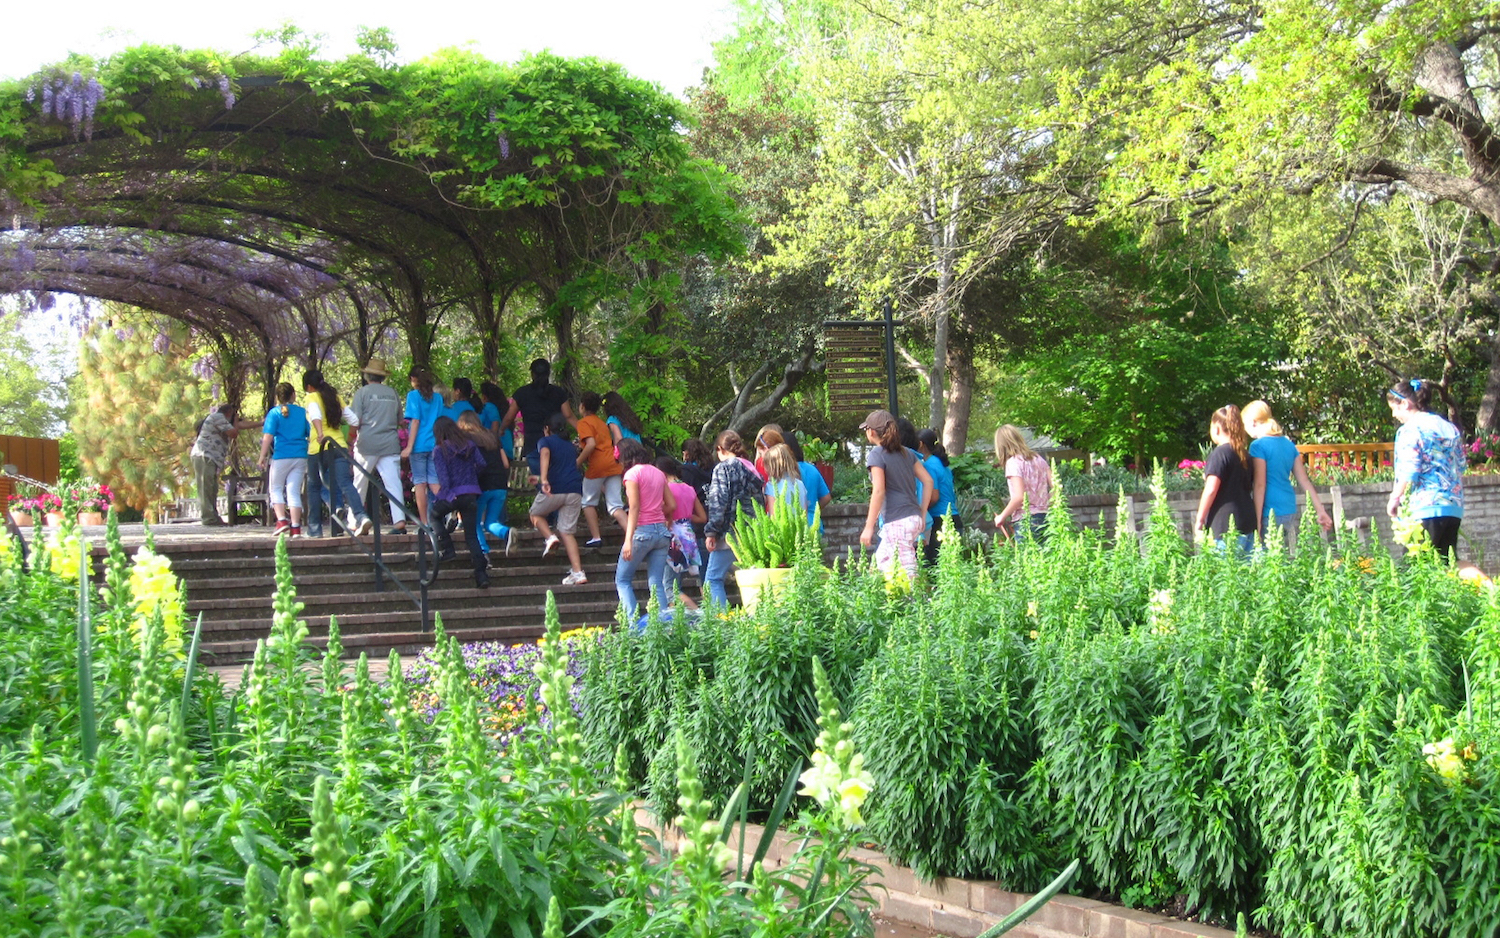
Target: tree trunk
564,368
955,430
1489,405
942,235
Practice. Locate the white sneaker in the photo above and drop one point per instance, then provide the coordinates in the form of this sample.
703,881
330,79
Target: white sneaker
364,527
510,540
575,578
550,543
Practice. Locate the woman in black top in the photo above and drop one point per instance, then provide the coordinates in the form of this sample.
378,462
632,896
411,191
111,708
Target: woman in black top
1227,481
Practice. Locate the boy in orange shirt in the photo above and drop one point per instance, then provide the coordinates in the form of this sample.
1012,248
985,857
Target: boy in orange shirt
602,473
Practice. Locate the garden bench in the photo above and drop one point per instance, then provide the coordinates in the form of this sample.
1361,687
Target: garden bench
248,490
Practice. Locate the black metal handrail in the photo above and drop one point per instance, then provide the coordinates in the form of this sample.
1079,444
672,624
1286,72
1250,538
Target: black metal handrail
426,538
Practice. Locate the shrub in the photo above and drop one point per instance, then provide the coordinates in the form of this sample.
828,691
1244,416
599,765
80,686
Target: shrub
1310,741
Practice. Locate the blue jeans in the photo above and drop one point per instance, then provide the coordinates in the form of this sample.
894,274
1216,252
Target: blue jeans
649,546
719,564
492,516
329,472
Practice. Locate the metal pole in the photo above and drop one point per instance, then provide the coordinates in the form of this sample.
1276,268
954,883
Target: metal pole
372,510
890,359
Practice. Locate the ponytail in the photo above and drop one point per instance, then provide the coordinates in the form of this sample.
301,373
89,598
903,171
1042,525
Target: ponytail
730,442
929,439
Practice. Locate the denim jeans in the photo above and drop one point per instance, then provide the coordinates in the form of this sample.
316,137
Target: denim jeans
492,516
330,472
648,546
719,564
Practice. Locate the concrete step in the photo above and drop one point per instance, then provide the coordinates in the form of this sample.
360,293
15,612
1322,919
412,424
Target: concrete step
461,594
504,574
376,645
229,579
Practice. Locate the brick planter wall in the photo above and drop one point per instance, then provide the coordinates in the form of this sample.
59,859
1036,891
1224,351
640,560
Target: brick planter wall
964,907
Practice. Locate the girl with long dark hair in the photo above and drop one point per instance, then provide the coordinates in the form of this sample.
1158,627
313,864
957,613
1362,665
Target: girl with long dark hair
735,486
945,505
1228,486
457,464
894,474
283,452
649,504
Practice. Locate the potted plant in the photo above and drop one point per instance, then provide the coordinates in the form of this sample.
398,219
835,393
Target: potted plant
821,454
52,506
90,500
24,505
765,544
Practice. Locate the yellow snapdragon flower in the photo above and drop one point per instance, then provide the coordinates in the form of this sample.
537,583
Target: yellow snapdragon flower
154,588
62,555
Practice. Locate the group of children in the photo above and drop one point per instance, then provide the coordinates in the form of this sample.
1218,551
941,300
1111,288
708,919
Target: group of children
674,513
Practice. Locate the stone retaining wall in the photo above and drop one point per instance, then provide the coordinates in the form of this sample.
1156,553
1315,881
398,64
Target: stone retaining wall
1362,505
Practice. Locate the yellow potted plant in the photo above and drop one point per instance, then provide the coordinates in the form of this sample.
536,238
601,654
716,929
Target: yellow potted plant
765,544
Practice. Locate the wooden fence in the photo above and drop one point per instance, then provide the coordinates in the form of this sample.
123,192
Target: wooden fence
33,458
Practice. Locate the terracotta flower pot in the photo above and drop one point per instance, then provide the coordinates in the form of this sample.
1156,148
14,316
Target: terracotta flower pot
90,518
21,518
825,469
54,519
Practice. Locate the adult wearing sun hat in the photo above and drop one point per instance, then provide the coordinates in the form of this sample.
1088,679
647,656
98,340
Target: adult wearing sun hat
376,412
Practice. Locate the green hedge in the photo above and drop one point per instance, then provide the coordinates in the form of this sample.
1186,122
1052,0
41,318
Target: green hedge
1245,735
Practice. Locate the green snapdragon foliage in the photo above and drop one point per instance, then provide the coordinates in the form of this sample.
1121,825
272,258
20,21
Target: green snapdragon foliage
1310,740
312,801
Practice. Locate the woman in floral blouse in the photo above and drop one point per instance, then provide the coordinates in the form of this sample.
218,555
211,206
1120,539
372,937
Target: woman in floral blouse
1429,465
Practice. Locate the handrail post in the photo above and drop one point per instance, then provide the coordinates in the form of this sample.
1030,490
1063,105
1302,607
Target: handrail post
422,582
372,510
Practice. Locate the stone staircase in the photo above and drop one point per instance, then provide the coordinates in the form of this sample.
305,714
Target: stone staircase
230,579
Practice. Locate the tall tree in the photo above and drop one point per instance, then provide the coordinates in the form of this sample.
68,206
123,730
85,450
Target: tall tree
30,404
1204,110
756,323
923,185
135,404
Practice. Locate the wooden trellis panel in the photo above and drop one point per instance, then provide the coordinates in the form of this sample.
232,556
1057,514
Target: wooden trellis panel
855,360
34,458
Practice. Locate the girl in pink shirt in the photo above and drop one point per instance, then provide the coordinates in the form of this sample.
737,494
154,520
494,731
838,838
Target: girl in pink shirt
647,541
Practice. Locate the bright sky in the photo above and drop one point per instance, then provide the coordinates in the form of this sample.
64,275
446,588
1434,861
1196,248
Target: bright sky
665,41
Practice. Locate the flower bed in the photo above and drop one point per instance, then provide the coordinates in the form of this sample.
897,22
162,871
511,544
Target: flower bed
1313,742
135,799
503,676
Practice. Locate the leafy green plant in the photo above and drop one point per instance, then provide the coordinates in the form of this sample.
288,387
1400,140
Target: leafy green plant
770,539
820,451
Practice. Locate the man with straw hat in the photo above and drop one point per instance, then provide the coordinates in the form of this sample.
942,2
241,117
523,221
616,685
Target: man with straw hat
377,447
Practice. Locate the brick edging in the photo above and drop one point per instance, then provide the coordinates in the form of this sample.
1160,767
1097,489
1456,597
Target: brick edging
967,908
